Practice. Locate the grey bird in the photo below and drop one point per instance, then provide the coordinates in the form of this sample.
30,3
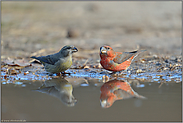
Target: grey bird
58,62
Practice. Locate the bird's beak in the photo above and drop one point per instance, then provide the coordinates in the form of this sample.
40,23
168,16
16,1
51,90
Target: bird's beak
74,49
103,50
72,103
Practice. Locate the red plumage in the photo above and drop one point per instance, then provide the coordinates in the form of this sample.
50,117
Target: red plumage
116,61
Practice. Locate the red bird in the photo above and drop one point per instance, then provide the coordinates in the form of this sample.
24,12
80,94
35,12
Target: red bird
116,61
116,90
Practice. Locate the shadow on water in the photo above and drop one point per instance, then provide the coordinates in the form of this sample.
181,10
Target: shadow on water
72,99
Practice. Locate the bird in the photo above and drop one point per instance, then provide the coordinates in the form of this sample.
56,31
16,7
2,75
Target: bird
58,62
116,90
59,88
116,61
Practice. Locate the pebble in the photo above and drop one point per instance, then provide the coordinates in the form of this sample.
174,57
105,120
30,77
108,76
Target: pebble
139,71
165,68
87,69
158,64
105,78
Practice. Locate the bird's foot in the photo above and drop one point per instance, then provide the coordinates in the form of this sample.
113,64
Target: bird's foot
118,73
58,74
114,74
63,73
121,72
50,74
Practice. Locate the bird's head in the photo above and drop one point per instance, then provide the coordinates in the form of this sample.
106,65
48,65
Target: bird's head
67,97
107,96
68,50
107,102
106,51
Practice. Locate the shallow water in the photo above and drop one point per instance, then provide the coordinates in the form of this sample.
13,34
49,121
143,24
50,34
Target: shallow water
20,101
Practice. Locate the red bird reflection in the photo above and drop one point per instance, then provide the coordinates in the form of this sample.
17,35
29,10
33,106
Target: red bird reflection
116,90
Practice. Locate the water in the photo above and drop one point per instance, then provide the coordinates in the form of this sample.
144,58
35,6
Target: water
52,102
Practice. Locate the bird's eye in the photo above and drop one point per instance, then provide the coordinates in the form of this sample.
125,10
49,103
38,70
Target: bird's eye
108,48
68,47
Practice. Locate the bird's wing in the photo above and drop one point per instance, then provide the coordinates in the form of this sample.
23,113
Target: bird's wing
122,94
49,59
54,58
45,59
120,58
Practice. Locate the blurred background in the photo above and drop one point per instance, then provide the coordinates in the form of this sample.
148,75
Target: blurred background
28,27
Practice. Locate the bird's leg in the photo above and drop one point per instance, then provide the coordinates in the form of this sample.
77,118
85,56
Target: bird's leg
58,74
114,72
118,73
121,72
50,74
42,86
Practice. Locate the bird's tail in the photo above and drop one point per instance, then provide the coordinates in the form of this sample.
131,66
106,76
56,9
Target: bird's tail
137,53
136,95
140,97
140,51
34,57
38,58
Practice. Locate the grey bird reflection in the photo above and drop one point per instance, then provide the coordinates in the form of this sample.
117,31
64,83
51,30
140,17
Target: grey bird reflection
61,89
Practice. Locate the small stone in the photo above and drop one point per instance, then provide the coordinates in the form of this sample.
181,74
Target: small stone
87,69
165,68
166,61
139,71
103,78
172,58
158,64
143,60
98,66
86,66
106,78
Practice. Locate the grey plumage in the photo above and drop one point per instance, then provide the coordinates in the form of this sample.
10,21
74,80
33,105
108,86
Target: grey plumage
58,62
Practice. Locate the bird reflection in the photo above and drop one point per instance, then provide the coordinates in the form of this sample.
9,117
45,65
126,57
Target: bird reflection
116,90
59,88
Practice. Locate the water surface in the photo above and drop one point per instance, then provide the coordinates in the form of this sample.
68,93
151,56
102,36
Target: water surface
20,102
